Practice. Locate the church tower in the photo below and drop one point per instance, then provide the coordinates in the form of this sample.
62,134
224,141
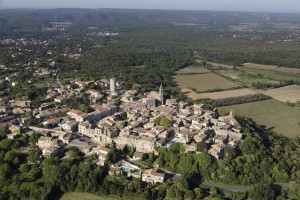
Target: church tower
161,94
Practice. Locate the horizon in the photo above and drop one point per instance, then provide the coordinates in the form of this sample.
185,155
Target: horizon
268,6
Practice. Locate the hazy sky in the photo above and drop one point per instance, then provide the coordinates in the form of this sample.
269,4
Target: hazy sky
226,5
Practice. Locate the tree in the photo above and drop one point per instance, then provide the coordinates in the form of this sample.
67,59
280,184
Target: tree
202,146
189,195
230,152
262,192
75,153
33,138
2,133
165,122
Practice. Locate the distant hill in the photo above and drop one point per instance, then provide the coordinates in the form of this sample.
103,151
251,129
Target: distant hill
93,17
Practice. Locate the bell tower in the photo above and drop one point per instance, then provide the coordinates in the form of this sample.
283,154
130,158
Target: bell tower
161,94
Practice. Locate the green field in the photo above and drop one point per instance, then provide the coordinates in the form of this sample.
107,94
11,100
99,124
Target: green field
245,78
203,82
87,196
193,70
272,114
274,75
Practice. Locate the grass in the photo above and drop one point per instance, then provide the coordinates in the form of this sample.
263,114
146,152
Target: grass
222,94
193,70
87,196
274,75
273,114
284,94
203,82
245,78
259,66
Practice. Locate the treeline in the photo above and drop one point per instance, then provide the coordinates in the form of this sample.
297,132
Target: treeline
259,85
234,100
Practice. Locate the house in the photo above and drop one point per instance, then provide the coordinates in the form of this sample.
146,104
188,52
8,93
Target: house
70,126
3,109
52,122
84,146
217,150
139,156
60,100
66,138
4,101
50,151
153,176
44,142
102,153
77,115
14,129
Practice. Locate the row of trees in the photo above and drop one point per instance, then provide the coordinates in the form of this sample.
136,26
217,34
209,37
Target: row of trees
235,100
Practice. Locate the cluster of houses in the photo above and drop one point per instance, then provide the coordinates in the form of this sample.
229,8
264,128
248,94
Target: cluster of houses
132,123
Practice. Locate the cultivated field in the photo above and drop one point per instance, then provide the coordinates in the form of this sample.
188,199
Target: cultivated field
220,95
272,114
273,75
284,94
193,70
220,65
288,70
86,196
203,82
245,78
259,66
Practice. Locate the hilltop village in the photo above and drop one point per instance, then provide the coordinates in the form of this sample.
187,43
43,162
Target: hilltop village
141,121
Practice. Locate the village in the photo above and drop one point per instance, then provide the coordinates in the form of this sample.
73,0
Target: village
136,121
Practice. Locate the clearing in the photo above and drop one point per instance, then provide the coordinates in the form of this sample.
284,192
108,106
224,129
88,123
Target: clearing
193,70
272,114
219,95
219,65
203,82
87,196
259,66
284,94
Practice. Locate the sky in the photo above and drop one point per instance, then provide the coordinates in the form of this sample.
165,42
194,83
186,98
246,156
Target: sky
218,5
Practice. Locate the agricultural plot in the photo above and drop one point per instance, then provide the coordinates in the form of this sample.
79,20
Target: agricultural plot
244,78
203,82
273,75
219,65
287,70
272,114
284,94
193,70
87,196
220,95
259,66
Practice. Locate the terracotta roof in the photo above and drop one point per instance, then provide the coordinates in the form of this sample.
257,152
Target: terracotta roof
76,112
53,120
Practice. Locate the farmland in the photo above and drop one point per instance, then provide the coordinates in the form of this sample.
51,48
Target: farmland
259,66
203,82
221,95
219,65
284,94
86,196
273,114
193,70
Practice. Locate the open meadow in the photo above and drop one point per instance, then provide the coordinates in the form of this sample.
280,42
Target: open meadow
203,82
219,95
284,94
259,66
87,196
272,114
193,70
